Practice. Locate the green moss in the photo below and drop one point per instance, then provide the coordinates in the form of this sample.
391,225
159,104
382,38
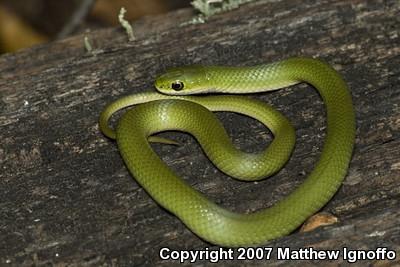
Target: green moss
208,8
125,24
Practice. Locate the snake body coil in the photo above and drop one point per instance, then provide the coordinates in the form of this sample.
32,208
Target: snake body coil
163,112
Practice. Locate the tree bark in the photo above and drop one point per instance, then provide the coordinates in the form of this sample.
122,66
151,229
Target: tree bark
67,198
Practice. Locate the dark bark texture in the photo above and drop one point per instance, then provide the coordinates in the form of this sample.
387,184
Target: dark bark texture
66,197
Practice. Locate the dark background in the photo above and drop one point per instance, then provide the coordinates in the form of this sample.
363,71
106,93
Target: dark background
24,23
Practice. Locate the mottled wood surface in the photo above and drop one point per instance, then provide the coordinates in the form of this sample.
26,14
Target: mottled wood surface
66,197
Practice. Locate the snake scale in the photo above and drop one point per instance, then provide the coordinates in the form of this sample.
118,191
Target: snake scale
172,109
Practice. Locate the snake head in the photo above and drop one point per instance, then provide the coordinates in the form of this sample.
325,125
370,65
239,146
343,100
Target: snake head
183,81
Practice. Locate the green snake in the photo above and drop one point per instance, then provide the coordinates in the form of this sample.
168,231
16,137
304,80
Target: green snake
172,109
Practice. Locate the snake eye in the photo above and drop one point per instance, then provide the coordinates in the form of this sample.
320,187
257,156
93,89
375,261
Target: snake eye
177,85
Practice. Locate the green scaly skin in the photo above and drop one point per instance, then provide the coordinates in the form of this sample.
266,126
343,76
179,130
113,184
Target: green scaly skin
163,112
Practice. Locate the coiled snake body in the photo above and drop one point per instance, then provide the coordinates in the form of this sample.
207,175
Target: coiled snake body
161,112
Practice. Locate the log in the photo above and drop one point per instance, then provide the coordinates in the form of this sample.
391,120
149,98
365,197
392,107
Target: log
67,198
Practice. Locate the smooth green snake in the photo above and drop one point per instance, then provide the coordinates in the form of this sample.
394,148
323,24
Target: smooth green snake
172,109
